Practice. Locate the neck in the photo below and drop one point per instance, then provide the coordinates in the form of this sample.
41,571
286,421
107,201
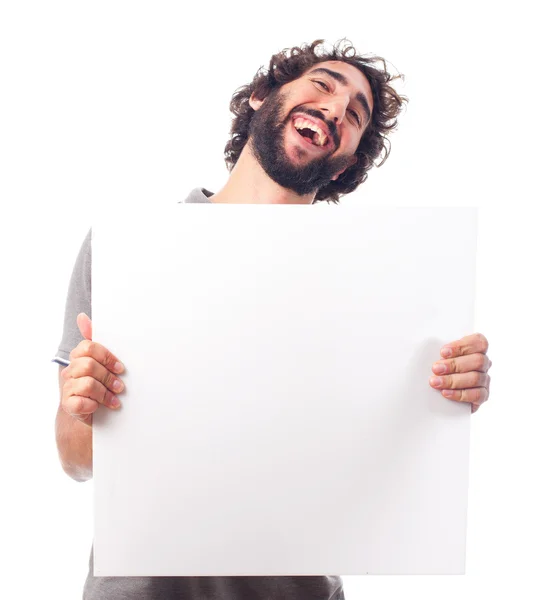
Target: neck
249,184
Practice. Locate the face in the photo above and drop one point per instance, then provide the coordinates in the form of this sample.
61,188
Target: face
305,134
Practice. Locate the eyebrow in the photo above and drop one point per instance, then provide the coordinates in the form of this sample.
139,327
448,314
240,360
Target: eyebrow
360,97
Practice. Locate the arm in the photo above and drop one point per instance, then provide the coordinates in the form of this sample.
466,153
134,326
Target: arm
74,441
90,380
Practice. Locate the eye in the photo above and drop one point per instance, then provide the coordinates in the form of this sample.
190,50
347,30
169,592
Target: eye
356,116
322,84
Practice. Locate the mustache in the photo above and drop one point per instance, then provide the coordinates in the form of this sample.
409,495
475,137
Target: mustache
319,115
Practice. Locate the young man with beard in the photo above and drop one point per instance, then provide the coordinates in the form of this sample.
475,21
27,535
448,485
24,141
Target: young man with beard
305,130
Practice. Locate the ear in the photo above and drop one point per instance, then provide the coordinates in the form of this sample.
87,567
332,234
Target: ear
254,102
351,162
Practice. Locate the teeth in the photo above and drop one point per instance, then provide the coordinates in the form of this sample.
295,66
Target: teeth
320,139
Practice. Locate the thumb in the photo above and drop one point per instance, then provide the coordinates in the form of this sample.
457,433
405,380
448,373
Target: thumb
85,325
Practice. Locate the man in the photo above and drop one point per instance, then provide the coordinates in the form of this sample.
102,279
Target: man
308,129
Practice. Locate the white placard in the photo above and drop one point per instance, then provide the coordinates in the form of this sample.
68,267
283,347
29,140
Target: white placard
277,418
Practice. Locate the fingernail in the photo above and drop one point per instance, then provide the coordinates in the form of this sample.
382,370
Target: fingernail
115,402
436,381
439,368
117,385
446,351
119,367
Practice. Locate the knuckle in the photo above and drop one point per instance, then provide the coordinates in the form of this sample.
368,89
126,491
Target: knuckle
483,342
108,380
83,348
80,405
81,367
110,360
87,363
87,385
480,362
106,397
75,406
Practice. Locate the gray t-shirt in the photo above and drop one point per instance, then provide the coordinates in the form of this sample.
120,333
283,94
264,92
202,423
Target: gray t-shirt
182,588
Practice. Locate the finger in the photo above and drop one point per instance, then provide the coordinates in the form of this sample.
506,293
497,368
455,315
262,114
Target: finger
98,353
469,344
462,364
80,407
88,387
460,381
473,395
86,366
85,325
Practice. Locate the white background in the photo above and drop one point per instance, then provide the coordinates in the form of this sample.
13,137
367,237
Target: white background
106,103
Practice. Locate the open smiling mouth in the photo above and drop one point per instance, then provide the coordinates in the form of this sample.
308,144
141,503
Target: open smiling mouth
311,133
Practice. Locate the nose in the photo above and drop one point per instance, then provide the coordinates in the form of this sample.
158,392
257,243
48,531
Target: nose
335,110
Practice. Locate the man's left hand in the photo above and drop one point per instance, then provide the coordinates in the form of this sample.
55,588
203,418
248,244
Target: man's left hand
463,374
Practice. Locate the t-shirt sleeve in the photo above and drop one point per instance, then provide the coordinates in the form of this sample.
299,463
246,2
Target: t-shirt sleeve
78,301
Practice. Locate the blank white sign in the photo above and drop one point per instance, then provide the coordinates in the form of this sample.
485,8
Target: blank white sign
277,418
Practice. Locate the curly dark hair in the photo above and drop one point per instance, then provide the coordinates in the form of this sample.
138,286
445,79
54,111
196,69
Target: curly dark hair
290,64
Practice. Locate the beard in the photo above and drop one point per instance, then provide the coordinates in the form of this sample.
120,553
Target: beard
267,139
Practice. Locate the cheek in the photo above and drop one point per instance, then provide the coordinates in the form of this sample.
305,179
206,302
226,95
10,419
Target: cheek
305,96
350,143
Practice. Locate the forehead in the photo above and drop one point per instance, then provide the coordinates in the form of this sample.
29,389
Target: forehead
355,78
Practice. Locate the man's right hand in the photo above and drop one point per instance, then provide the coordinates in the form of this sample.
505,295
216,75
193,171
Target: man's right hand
90,378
